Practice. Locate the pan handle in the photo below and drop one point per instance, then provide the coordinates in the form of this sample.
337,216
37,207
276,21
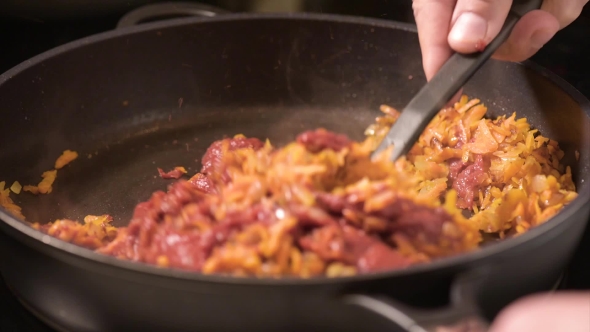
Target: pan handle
167,10
462,315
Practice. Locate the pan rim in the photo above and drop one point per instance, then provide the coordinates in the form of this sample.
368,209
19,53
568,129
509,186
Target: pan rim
50,243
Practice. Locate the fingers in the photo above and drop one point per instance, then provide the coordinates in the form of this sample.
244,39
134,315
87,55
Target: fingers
467,26
546,313
476,22
536,28
433,18
531,32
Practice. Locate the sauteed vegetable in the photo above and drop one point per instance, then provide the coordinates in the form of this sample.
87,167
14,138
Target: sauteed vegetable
320,207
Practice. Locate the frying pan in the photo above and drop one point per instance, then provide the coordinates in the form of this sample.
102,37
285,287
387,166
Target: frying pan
157,94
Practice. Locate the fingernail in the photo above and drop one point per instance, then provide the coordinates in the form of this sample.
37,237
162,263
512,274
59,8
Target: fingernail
541,37
469,29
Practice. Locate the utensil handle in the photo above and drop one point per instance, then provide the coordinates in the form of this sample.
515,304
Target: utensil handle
167,10
451,77
462,315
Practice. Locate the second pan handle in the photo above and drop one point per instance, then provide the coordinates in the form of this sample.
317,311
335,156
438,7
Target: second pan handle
167,10
462,315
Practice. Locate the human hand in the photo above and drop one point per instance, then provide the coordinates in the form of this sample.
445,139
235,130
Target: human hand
558,312
466,26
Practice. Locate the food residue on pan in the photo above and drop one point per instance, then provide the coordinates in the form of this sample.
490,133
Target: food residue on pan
321,207
66,157
176,173
95,232
7,203
44,187
16,187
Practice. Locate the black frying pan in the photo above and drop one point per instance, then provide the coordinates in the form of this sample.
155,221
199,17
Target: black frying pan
156,95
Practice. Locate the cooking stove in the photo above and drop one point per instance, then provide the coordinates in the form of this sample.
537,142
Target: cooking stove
23,37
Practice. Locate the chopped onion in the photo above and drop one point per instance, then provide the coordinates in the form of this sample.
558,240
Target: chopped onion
16,187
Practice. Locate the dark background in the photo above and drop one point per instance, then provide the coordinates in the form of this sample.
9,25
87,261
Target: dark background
30,27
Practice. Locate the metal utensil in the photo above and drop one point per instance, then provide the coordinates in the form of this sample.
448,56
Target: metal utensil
444,85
